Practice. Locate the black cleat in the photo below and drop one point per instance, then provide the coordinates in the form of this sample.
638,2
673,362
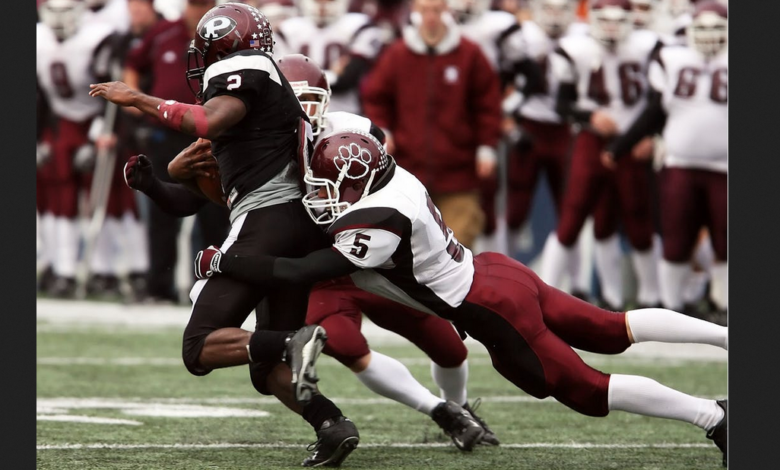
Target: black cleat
489,438
458,424
301,352
336,439
719,434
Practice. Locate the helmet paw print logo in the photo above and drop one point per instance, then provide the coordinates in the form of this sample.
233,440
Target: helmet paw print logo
355,158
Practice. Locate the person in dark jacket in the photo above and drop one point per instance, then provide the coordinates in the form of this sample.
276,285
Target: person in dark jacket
439,102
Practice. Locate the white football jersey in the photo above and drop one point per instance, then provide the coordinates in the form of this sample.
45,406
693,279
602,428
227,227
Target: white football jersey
498,35
695,97
407,254
65,70
540,47
615,82
352,34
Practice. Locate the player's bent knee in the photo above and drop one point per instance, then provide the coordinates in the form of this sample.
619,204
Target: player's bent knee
191,349
585,392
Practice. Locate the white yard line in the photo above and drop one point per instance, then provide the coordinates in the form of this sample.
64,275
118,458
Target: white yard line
58,315
62,403
402,445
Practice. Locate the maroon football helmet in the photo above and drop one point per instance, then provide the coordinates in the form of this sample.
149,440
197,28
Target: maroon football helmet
345,164
223,30
708,32
310,85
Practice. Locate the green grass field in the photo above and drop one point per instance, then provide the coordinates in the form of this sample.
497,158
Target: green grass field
113,394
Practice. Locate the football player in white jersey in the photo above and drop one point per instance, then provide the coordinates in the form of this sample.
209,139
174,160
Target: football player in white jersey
545,139
380,373
602,88
344,44
689,93
389,236
500,38
69,56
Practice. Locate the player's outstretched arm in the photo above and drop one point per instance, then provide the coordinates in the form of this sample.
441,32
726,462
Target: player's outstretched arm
174,199
208,121
319,265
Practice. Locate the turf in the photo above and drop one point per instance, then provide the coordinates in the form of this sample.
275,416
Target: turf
122,370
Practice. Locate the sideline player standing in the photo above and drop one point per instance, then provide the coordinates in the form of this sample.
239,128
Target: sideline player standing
257,126
689,101
388,235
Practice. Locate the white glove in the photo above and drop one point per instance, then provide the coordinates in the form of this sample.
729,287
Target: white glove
42,154
84,158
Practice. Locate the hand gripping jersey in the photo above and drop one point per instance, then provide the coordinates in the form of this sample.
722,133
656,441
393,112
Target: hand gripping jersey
66,69
499,36
540,47
399,233
612,81
266,140
695,98
352,34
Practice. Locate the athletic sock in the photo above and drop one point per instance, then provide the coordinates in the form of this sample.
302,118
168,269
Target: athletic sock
451,381
391,379
607,256
673,278
719,285
318,410
667,326
644,396
646,269
555,259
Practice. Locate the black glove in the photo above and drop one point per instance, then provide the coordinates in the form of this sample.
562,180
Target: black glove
138,173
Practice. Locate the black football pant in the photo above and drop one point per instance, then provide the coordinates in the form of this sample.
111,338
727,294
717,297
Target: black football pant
284,230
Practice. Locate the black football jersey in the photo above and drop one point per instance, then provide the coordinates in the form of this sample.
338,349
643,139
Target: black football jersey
259,146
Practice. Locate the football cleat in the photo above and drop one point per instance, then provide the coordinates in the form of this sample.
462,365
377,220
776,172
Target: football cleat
336,439
719,434
489,438
301,352
458,424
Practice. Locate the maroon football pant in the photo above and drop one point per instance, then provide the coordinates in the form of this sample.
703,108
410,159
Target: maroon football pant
691,199
530,328
611,196
337,305
548,152
57,181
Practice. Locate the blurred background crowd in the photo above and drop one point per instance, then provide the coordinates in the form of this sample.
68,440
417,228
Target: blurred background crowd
483,100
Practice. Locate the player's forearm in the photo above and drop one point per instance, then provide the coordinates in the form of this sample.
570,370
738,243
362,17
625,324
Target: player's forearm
649,122
261,269
174,199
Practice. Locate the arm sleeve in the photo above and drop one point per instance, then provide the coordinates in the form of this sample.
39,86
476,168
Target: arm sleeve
175,199
261,269
350,77
485,91
650,121
378,90
565,104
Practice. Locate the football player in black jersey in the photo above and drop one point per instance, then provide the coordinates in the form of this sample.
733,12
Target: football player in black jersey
257,129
